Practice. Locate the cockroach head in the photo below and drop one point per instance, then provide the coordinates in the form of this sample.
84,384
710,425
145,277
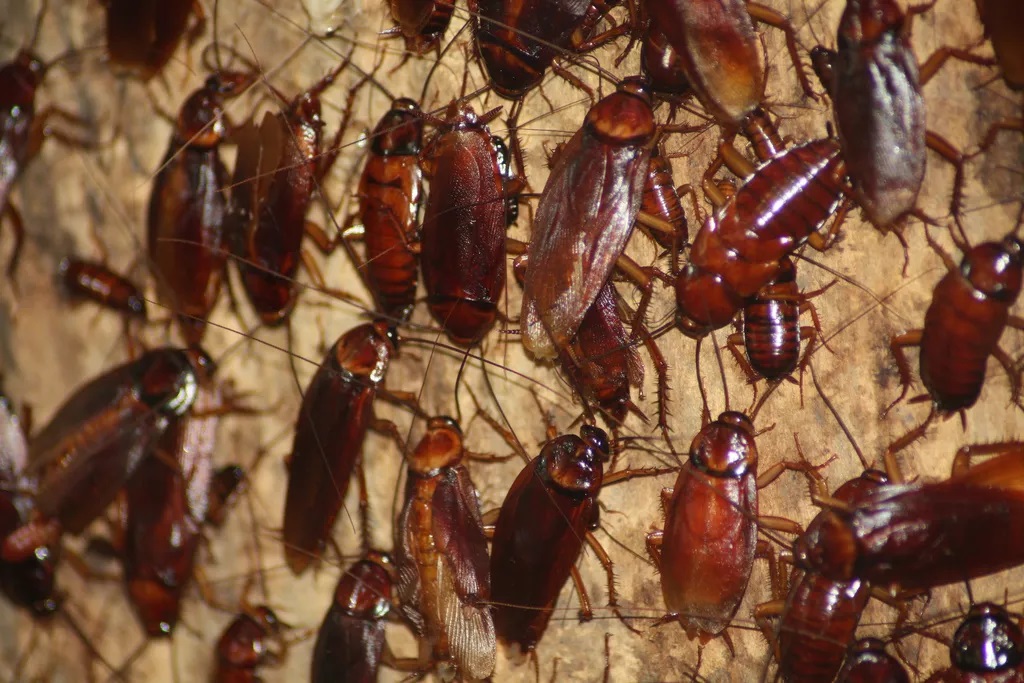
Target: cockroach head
987,640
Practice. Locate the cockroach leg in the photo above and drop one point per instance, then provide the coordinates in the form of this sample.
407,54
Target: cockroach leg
767,15
896,346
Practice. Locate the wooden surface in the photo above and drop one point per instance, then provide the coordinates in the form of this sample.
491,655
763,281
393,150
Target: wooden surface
73,199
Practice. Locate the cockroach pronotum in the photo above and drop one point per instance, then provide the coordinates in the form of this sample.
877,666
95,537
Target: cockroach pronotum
868,662
471,202
350,642
421,22
443,584
245,646
987,646
142,35
337,407
585,217
88,280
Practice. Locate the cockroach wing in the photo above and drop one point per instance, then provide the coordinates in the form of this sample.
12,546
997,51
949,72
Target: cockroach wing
463,574
1004,472
347,648
583,221
408,588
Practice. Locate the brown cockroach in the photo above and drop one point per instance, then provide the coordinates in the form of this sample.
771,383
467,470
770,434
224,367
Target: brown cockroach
969,310
988,647
1003,21
706,552
336,411
278,169
225,484
771,332
661,200
585,216
245,646
421,22
868,662
720,52
188,205
94,281
924,535
471,202
819,617
739,249
142,35
663,66
350,642
443,583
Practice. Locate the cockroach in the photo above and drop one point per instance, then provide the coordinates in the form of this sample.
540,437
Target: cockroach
224,486
277,171
548,513
706,552
987,647
661,200
337,408
663,66
88,280
245,646
97,439
771,332
471,202
444,581
962,326
142,35
350,642
421,22
390,195
720,53
868,662
925,535
819,617
1003,20
585,216
739,249
188,204
166,504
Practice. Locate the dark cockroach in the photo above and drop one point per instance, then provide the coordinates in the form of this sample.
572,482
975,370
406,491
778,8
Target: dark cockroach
868,662
278,169
706,552
819,617
350,642
165,506
421,22
142,35
224,486
1003,21
245,646
95,441
441,557
88,280
471,202
336,411
27,581
925,535
663,66
988,647
390,195
585,217
771,331
188,204
739,249
720,53
968,313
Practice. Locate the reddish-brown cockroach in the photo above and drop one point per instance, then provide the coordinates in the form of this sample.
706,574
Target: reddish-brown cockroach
88,280
350,642
926,535
390,194
142,35
707,549
336,411
1003,20
968,313
868,662
187,207
663,66
720,53
421,22
443,583
661,200
819,617
739,249
96,440
585,217
165,505
245,646
472,200
771,331
548,513
988,647
278,169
